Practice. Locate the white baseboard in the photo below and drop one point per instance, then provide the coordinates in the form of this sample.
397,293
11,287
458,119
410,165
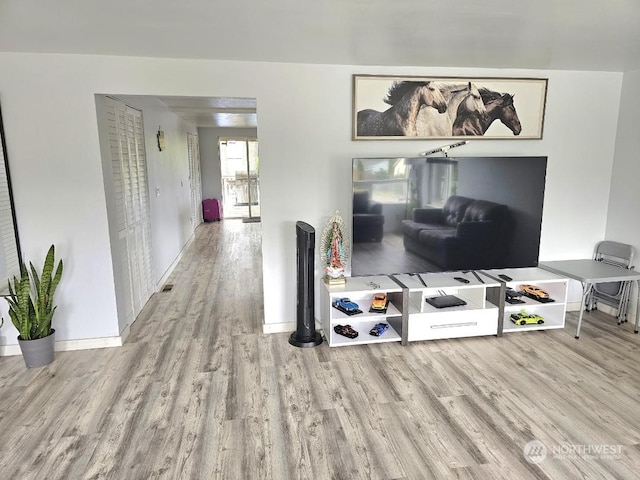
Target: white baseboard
89,343
10,350
68,345
125,333
278,327
573,306
283,327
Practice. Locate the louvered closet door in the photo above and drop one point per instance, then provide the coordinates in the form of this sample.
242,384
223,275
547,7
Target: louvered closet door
119,149
128,162
138,218
195,179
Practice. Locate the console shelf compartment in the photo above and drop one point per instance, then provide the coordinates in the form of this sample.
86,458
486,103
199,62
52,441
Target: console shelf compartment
553,312
363,327
361,291
425,322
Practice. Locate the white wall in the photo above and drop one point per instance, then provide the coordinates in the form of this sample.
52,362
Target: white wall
623,222
305,157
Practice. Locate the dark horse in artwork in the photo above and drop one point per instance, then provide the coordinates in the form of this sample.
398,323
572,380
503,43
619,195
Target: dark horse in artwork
406,98
499,106
460,97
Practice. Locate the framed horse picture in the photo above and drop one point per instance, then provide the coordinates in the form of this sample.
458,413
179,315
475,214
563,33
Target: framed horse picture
410,107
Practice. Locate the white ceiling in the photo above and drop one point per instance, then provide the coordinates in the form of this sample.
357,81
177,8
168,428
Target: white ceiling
536,34
221,112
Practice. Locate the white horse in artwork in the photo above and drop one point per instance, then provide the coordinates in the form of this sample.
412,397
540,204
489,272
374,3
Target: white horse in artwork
430,123
406,99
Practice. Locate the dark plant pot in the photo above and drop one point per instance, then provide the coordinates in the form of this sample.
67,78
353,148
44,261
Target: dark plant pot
39,352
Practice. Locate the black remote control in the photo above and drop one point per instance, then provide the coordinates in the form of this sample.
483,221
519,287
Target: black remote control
460,279
504,277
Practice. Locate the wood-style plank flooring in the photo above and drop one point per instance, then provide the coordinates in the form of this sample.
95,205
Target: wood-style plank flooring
198,392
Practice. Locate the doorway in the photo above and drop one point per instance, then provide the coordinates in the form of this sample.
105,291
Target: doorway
240,168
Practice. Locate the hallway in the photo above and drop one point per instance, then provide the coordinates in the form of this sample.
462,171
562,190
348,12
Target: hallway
137,411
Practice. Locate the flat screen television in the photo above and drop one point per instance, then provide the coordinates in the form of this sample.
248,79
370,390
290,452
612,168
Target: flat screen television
423,214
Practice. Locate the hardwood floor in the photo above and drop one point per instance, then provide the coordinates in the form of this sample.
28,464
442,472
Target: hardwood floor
198,392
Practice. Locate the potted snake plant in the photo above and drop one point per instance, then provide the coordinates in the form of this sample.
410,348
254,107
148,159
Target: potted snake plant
31,309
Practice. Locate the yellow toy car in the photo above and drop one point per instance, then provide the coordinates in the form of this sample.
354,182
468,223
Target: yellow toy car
523,318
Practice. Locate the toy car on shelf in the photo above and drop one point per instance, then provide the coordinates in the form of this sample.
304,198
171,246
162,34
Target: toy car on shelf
379,303
512,296
534,292
345,331
345,305
378,329
524,318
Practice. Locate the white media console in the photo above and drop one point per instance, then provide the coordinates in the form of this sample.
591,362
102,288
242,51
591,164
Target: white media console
412,318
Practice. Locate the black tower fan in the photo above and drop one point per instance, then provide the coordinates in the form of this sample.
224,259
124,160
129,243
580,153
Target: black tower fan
305,334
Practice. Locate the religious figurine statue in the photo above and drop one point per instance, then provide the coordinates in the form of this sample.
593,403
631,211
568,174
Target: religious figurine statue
334,250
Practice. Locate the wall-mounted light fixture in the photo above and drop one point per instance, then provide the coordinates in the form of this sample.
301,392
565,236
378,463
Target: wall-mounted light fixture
161,142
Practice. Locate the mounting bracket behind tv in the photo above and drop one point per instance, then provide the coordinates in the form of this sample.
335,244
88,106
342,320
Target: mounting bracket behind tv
445,149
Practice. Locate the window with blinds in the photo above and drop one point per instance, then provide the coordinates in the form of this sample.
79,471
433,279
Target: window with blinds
9,246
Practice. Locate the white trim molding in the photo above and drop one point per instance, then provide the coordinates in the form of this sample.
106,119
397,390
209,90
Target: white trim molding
284,327
69,345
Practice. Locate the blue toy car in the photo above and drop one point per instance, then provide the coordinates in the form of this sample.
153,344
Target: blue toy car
346,305
378,329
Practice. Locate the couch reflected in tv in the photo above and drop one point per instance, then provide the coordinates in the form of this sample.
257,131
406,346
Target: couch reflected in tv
368,220
464,234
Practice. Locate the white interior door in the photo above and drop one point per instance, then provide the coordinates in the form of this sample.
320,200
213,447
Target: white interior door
129,171
139,223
